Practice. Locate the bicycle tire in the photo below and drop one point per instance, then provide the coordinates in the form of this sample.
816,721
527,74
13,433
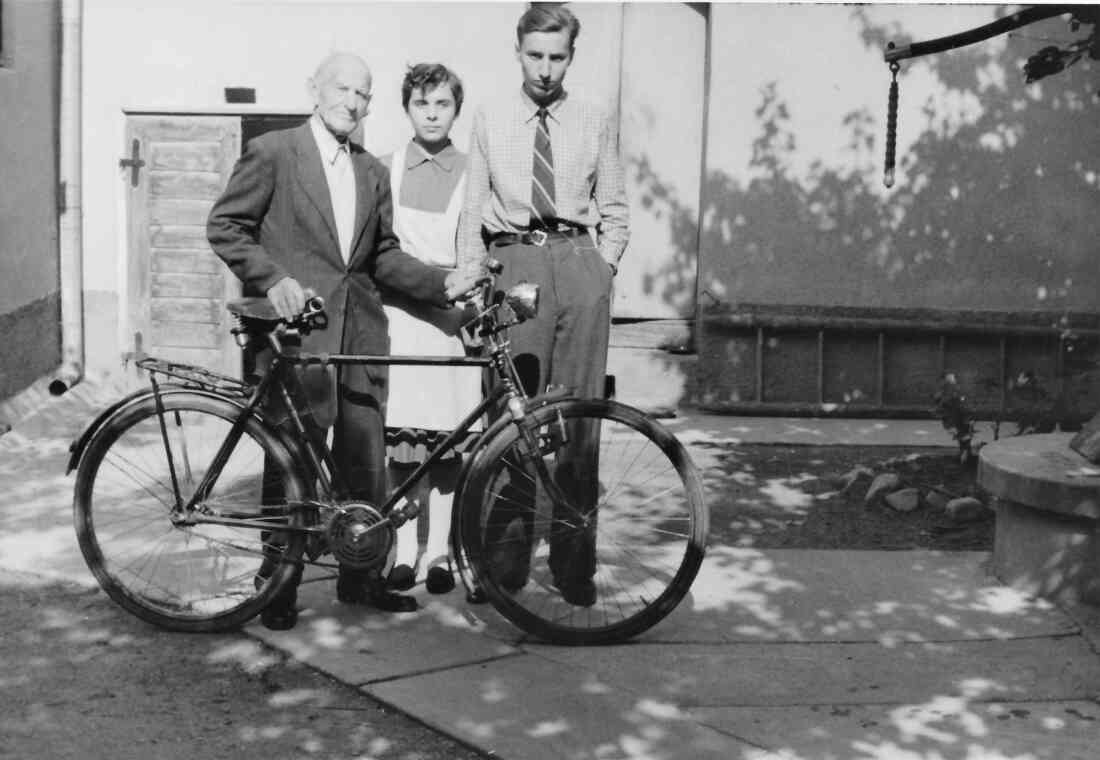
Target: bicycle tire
201,578
641,547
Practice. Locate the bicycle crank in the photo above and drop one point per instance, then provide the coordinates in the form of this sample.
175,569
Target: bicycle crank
359,536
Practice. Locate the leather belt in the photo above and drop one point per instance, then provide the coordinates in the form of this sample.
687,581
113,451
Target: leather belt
537,236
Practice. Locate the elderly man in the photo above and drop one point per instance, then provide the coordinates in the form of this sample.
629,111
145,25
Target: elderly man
309,208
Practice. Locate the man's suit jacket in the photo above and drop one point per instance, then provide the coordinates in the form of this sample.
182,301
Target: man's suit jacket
275,220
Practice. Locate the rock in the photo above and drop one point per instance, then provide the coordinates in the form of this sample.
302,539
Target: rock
1087,441
936,499
884,483
966,509
844,482
905,500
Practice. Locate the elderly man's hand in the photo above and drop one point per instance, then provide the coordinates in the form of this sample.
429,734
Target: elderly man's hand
287,297
459,284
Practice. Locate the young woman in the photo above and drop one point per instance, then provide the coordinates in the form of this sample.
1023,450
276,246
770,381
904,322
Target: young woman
428,181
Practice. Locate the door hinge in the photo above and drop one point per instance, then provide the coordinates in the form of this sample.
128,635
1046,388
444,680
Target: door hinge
133,163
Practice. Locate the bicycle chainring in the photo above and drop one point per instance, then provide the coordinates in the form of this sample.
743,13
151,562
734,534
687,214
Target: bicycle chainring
359,536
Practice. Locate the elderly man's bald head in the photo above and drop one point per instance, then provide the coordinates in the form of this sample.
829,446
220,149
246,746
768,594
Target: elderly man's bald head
339,61
341,91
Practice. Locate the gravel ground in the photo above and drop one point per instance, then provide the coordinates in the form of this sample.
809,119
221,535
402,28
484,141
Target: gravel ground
80,678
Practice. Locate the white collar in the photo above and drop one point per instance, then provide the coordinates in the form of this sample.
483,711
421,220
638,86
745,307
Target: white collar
326,141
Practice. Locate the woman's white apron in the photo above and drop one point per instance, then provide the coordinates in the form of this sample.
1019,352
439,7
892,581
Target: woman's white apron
430,398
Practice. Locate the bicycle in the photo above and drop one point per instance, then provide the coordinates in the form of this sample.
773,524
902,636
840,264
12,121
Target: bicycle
172,520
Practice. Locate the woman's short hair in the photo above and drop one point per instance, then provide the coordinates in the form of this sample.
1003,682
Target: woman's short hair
548,17
426,77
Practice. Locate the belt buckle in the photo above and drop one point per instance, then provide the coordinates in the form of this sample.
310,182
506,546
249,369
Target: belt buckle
539,237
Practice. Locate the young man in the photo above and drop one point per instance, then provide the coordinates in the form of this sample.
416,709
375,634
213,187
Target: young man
546,197
428,183
306,207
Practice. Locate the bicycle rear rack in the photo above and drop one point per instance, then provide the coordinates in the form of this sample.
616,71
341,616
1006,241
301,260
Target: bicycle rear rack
190,376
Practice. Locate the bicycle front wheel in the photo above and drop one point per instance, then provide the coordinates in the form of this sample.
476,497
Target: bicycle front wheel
198,577
605,549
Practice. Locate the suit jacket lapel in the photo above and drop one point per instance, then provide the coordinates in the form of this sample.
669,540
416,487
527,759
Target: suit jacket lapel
364,200
311,176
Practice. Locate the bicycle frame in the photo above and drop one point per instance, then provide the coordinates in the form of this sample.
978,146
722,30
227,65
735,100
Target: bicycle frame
317,457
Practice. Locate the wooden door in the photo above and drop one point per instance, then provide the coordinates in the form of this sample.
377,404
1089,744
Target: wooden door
175,167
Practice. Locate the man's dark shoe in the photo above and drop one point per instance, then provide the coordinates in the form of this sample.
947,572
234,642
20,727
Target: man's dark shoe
510,557
387,601
281,619
282,613
356,587
578,592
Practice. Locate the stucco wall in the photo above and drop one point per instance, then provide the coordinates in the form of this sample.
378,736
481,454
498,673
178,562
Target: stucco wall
995,204
29,302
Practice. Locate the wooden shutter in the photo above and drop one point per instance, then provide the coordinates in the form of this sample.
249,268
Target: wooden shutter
175,168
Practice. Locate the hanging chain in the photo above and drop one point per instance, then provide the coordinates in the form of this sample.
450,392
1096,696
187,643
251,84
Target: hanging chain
891,126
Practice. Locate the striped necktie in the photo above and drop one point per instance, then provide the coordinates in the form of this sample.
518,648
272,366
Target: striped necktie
543,211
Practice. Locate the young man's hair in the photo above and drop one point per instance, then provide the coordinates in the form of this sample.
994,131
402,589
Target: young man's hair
426,77
548,17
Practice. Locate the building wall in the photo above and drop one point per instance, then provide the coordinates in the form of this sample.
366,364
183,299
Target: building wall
997,188
29,287
993,209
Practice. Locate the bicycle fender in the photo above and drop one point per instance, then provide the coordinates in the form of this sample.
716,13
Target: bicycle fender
78,447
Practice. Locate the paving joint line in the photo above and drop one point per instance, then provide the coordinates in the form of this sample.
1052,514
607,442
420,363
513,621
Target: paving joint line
440,669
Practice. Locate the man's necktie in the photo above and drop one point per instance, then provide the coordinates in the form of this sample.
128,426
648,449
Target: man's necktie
343,201
542,176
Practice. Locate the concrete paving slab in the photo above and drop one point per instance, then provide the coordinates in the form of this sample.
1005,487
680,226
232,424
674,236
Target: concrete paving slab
822,595
807,674
942,728
360,645
537,709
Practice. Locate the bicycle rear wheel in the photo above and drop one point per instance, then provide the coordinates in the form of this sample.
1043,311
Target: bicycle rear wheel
195,578
611,558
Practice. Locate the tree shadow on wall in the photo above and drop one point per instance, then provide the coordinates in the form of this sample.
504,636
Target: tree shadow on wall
994,208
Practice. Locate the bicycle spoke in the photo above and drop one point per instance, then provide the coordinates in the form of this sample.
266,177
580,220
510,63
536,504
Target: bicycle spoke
186,575
616,551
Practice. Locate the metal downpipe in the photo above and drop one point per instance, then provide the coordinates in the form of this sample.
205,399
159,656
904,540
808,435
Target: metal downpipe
70,218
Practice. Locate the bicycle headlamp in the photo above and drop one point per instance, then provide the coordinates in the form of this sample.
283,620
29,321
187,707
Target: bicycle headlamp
523,299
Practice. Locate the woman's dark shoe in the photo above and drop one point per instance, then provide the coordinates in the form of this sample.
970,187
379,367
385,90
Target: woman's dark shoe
440,580
402,578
